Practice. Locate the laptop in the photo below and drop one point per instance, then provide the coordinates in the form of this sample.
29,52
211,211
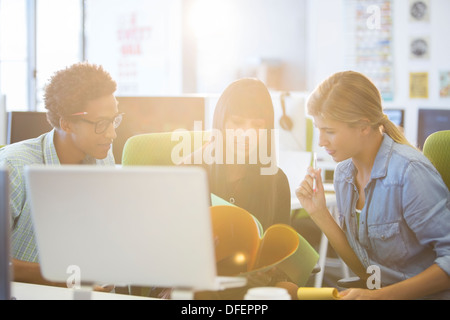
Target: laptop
144,226
5,276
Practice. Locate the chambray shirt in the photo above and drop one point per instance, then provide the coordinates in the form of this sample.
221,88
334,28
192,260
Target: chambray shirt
404,226
15,157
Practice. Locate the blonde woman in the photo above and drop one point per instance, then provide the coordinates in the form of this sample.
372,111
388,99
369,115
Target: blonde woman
394,208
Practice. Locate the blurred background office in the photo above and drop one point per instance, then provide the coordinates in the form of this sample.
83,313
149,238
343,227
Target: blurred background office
196,47
172,58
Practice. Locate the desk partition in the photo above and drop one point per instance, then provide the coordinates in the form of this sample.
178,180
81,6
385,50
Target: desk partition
23,125
157,114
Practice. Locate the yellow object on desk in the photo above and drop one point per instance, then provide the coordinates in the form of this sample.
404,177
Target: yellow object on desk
307,293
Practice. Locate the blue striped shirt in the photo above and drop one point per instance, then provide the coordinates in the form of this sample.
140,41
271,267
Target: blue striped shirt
15,157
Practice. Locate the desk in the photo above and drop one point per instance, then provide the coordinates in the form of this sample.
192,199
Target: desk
27,291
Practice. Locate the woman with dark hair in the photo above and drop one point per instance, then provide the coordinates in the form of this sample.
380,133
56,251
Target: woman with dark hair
241,163
244,170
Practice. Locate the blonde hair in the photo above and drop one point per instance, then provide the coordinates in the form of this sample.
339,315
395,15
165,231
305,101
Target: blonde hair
350,97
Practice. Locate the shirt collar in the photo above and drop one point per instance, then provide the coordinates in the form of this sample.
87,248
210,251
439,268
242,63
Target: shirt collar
380,165
50,155
49,150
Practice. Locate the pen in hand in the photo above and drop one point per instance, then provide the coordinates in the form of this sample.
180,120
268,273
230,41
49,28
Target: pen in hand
315,168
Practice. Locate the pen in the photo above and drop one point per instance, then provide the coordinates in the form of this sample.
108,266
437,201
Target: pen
315,168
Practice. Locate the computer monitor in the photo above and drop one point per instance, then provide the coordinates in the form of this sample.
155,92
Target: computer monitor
157,114
397,116
143,228
23,125
5,277
430,121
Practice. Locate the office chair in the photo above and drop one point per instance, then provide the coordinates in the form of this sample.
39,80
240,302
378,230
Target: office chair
157,148
436,149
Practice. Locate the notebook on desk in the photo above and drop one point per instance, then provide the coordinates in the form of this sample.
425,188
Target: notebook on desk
147,226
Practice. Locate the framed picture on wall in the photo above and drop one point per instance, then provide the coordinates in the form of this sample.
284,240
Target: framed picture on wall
420,48
418,85
369,42
444,84
419,10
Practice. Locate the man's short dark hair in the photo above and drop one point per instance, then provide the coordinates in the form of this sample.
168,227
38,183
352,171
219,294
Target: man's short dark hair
70,89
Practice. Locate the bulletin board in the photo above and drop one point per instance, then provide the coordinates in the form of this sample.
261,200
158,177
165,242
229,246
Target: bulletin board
369,38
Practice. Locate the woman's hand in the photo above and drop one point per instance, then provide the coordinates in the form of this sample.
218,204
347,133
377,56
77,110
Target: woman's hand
361,294
104,288
315,204
313,201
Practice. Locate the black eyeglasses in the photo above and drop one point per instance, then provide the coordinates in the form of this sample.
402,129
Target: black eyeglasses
102,125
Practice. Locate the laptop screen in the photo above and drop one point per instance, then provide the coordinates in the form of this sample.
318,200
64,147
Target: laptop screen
129,225
5,283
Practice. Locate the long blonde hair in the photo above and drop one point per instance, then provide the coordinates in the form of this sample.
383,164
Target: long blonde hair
350,97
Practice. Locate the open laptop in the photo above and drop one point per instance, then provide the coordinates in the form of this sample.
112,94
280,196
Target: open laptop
5,276
147,226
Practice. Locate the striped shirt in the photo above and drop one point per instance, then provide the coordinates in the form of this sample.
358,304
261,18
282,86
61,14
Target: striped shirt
15,157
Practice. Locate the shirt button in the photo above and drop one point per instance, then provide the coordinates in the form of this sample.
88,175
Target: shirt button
232,200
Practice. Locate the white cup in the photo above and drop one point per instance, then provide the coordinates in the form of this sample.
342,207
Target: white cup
267,293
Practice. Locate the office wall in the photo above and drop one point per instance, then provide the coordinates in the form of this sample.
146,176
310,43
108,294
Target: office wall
235,38
326,52
197,46
138,42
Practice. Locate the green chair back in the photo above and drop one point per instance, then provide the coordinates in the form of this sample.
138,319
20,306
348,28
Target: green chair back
437,149
161,148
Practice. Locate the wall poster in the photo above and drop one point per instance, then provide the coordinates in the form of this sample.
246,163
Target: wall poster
444,88
418,85
369,31
141,44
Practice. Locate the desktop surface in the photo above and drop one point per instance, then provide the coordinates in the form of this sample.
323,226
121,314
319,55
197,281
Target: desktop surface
27,291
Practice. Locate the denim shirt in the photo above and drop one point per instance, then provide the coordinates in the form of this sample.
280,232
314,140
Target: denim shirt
404,226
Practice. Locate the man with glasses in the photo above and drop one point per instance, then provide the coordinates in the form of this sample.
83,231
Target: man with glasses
83,112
